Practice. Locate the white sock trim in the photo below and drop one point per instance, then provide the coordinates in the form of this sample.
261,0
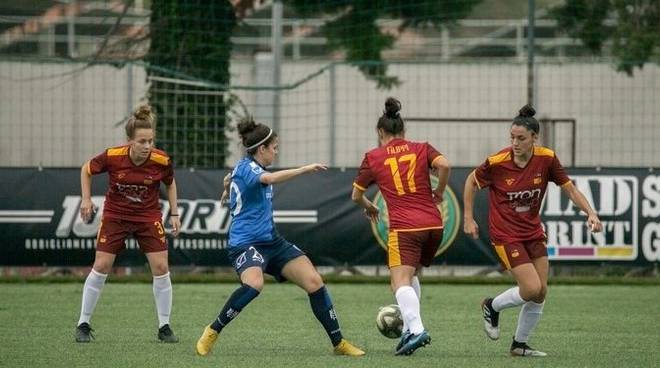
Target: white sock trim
163,276
97,273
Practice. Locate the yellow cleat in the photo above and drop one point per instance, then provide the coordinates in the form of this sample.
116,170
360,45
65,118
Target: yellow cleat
206,341
346,348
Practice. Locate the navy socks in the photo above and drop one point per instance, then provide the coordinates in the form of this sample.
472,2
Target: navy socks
325,313
237,301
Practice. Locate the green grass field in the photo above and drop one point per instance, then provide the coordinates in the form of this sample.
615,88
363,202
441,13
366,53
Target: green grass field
582,326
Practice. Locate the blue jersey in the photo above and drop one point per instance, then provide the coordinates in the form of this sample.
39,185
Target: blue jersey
251,205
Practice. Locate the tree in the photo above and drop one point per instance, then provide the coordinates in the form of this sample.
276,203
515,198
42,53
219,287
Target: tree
192,38
633,26
353,27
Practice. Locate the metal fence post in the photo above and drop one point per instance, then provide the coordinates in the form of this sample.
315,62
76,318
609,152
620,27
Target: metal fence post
333,112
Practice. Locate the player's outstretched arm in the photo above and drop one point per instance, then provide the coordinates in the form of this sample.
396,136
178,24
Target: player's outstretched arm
86,206
175,221
284,175
581,201
470,226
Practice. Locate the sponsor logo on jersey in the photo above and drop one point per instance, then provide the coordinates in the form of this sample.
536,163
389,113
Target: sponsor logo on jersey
509,182
450,209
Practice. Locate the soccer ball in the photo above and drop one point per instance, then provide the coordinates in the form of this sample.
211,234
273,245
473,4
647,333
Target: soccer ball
389,321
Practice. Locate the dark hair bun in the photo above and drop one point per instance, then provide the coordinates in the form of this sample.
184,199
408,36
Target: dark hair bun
246,125
392,107
143,112
527,111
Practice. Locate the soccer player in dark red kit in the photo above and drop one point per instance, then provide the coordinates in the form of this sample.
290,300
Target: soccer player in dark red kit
517,178
401,169
131,208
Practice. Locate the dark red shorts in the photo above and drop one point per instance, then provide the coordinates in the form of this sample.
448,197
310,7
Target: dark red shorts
113,233
413,248
517,253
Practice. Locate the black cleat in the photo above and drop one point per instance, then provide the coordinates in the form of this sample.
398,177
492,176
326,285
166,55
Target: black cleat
165,334
491,319
414,342
523,350
404,338
84,332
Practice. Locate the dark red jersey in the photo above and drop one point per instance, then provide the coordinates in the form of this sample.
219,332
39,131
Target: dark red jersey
401,170
516,193
133,191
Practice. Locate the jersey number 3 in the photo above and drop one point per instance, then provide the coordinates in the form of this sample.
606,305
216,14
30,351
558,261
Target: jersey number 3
393,163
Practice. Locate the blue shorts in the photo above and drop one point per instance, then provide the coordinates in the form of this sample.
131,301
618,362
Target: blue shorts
270,257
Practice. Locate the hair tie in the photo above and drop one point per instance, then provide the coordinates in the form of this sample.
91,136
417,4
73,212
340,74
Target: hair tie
261,141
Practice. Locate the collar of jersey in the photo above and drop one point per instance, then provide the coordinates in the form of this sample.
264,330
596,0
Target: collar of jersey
256,162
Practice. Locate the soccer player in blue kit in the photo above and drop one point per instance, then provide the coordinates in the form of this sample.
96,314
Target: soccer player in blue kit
255,246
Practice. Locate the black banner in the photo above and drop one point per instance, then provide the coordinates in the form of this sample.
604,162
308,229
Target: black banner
40,223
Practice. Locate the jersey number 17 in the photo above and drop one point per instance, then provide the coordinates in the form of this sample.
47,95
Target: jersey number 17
393,163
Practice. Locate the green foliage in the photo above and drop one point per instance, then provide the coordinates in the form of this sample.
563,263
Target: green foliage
353,27
192,38
632,25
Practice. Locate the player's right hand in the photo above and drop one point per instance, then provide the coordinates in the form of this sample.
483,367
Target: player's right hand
224,197
315,167
470,228
87,210
371,213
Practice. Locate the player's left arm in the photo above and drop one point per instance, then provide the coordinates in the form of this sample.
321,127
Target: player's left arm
269,178
558,176
175,221
441,169
580,200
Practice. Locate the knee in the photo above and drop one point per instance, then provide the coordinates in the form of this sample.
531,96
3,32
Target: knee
540,296
531,291
101,266
255,283
159,268
313,283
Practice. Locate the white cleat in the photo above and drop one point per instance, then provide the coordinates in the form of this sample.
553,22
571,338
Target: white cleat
521,349
491,319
